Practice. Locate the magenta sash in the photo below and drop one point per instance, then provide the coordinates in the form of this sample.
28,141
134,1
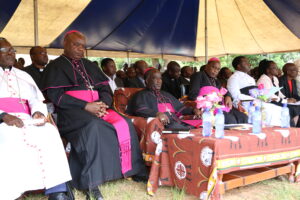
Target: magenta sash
193,122
13,105
117,121
165,107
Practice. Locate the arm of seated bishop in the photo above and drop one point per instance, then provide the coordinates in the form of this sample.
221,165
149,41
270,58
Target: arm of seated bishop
143,110
138,106
179,107
58,97
105,94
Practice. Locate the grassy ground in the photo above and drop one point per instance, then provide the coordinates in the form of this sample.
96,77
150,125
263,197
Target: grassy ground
273,189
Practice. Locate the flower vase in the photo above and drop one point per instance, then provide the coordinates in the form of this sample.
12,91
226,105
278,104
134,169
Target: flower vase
212,118
263,115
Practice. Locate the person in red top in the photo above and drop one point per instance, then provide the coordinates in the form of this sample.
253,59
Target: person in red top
288,82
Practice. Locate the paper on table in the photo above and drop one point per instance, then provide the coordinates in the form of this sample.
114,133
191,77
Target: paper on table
238,126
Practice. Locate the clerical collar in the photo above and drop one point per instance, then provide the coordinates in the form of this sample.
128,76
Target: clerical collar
7,68
37,68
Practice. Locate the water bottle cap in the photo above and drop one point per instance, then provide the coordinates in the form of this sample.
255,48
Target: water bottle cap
251,103
257,108
206,110
285,105
220,111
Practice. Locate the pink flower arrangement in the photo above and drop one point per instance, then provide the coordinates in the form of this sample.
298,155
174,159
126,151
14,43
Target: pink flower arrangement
263,94
210,97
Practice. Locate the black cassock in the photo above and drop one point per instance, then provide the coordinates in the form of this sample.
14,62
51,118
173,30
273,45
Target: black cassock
35,73
201,79
95,156
145,104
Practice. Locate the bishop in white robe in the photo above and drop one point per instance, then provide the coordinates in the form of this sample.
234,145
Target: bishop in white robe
31,151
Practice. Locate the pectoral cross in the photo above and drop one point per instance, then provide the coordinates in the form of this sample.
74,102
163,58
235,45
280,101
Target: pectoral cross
23,103
168,109
91,87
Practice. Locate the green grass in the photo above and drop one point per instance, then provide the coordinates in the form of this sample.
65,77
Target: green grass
274,189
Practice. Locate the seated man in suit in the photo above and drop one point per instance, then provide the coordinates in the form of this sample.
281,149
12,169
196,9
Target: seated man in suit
185,79
288,82
208,77
170,78
108,66
138,81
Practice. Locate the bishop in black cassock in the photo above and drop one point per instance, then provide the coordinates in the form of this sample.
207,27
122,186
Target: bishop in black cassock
153,102
208,78
96,154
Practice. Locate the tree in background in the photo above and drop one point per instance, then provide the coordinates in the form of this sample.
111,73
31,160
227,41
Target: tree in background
279,58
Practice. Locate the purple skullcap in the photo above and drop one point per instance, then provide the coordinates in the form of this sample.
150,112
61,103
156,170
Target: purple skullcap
214,59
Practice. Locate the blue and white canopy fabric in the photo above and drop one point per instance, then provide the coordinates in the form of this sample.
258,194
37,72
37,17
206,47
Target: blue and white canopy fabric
171,29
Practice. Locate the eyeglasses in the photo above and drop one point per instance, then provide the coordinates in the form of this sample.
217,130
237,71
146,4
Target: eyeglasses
7,50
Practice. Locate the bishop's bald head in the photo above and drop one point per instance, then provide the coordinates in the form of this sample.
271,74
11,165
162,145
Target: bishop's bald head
74,45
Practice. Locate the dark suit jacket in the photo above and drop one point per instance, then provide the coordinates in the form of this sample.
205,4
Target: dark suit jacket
119,82
283,82
186,85
171,86
199,80
134,83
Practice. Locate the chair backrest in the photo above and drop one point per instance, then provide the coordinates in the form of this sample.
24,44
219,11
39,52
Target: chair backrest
122,96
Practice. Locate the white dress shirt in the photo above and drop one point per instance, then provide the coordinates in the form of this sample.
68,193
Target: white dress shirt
237,81
112,84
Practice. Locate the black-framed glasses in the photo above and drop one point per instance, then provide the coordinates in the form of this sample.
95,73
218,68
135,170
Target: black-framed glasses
7,50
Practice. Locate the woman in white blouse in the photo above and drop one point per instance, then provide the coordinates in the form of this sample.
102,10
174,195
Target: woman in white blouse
268,70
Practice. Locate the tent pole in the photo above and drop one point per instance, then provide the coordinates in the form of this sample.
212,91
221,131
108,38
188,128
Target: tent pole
205,29
128,59
36,29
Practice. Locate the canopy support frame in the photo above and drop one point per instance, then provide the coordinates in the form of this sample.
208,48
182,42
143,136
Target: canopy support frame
35,19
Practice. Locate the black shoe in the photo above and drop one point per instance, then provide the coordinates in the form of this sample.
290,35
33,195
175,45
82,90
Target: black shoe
58,196
137,178
94,194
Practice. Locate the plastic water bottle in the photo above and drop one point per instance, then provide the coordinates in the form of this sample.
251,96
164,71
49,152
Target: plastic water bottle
285,116
250,111
256,120
219,124
206,122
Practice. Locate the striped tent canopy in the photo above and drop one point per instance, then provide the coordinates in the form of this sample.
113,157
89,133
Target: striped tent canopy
170,29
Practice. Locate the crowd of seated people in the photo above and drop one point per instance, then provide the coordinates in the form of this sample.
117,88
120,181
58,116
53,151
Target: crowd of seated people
104,143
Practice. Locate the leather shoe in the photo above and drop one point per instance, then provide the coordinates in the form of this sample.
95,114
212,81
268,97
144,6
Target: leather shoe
58,196
137,178
94,194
